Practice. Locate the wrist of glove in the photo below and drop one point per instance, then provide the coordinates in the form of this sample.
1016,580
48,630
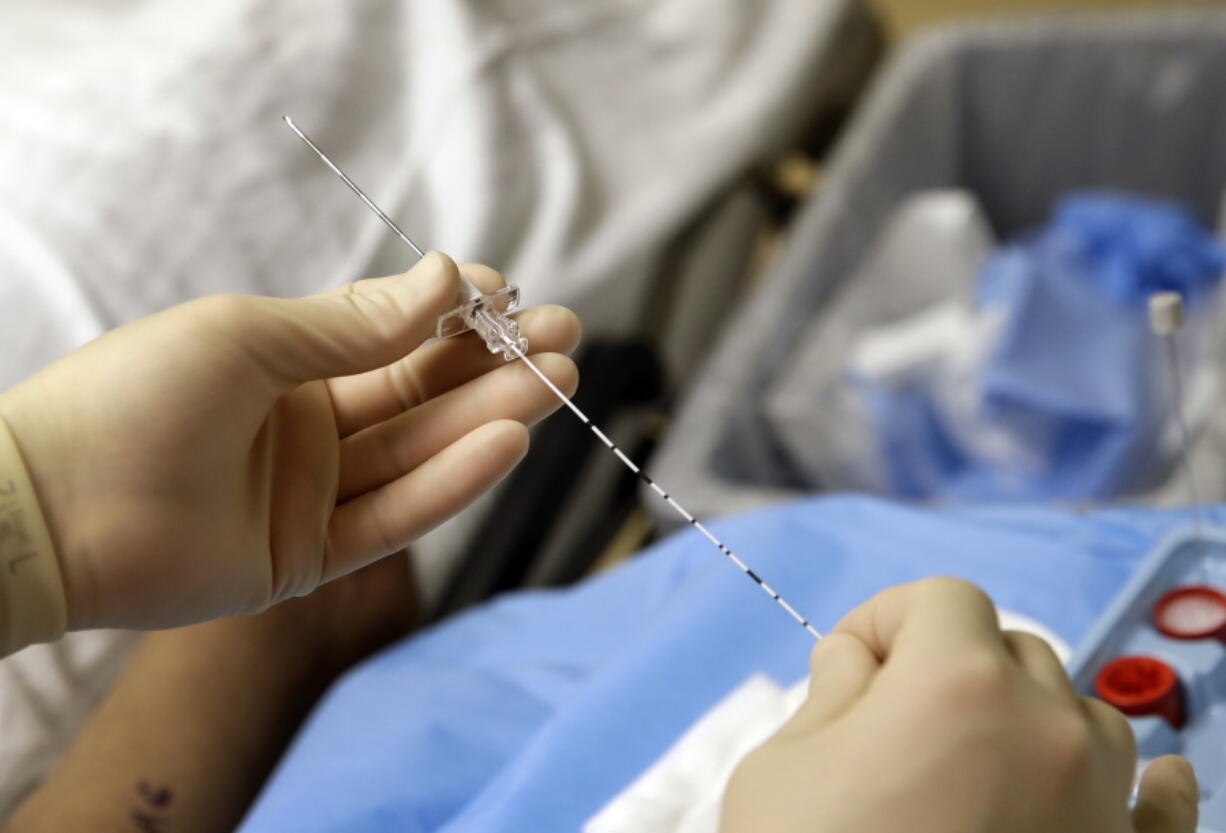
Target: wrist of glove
33,602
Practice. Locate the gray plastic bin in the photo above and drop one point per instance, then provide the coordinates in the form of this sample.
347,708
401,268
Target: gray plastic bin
1018,113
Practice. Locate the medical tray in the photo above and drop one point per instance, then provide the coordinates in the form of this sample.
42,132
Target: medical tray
1128,629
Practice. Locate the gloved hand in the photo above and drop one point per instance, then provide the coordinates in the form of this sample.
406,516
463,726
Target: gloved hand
235,451
923,717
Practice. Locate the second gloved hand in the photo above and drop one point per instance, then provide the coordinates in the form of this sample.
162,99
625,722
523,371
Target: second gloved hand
235,451
924,717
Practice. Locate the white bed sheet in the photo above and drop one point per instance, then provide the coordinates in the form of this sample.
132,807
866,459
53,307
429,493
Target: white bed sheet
143,163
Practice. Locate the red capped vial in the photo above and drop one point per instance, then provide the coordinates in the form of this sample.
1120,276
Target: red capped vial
1142,686
1194,611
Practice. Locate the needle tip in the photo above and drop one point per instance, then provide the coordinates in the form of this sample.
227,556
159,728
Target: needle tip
288,120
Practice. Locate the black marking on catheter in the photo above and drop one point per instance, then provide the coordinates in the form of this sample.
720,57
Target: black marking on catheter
804,623
513,347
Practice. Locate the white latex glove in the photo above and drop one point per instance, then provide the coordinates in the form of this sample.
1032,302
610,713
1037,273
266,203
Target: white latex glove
235,451
924,717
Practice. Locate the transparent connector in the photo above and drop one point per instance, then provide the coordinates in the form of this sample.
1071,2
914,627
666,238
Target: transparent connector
487,315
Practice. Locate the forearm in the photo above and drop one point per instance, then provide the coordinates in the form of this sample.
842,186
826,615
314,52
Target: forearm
184,741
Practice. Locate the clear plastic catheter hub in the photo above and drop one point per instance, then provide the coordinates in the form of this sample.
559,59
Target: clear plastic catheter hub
487,316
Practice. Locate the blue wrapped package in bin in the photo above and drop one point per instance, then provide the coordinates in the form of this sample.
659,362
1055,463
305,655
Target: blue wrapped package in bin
1069,396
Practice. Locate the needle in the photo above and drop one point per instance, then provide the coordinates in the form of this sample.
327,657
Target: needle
1166,318
488,326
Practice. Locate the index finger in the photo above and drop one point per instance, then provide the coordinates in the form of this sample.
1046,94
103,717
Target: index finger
935,616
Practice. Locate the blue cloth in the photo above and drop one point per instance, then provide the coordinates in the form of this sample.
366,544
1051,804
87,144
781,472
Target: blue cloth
1076,377
1136,247
532,711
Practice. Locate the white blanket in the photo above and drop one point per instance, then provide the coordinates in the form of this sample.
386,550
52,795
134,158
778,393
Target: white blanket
143,162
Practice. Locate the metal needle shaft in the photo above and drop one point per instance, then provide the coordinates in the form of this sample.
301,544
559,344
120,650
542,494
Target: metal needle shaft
565,400
354,188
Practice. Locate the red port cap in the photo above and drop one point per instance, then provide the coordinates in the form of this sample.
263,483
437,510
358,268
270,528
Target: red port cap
1141,686
1193,611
